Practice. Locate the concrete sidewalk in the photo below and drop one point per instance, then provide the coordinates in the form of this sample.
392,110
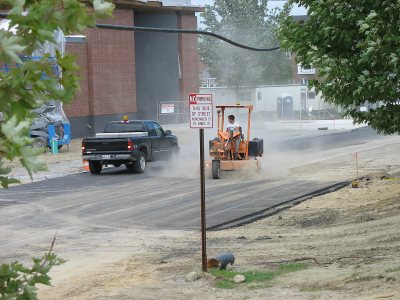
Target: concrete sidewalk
329,125
54,170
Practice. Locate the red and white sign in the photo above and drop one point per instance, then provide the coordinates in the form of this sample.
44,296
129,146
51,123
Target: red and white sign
201,110
167,108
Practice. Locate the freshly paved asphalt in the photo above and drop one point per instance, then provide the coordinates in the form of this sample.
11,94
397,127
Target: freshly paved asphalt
121,199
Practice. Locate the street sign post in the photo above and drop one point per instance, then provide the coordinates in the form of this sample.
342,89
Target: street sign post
201,116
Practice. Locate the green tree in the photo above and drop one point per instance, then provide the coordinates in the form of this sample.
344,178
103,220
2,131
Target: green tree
32,83
251,23
355,46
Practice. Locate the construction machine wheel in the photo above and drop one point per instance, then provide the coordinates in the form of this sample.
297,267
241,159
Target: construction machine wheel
139,166
216,169
95,167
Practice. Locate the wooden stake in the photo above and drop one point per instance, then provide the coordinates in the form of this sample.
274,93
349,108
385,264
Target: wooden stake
357,165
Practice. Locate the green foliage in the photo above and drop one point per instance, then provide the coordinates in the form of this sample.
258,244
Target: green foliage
19,282
253,278
25,87
248,22
355,46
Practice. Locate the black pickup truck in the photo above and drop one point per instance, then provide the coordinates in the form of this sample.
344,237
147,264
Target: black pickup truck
132,143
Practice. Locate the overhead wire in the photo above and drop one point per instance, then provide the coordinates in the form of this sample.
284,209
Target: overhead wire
175,30
186,31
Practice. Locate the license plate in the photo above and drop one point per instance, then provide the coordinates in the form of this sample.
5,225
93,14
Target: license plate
106,156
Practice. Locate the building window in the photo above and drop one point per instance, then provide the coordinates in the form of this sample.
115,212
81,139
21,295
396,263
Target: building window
259,96
209,82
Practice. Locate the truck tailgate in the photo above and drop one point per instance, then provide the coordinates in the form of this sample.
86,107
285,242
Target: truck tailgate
106,145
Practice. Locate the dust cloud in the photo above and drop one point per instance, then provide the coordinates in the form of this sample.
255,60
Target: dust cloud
276,161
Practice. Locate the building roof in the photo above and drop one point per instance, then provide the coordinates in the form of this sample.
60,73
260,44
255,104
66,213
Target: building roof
159,5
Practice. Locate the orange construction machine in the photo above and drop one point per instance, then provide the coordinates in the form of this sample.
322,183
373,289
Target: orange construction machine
232,149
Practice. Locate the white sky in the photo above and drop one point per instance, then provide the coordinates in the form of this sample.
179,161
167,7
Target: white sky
296,11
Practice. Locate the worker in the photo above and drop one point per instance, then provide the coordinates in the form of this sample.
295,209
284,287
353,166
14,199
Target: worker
233,127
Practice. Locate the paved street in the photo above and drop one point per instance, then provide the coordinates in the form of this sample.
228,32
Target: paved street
122,199
160,199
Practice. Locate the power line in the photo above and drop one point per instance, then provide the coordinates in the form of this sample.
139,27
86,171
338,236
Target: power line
187,31
172,30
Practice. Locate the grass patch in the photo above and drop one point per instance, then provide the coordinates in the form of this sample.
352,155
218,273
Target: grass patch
254,279
397,269
310,289
292,267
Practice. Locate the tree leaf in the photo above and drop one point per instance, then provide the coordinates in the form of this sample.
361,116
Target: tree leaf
103,8
10,48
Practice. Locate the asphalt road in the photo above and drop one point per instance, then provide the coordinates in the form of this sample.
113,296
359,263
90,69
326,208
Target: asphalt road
123,199
120,199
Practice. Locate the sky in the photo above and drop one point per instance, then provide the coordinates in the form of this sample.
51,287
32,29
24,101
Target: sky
296,11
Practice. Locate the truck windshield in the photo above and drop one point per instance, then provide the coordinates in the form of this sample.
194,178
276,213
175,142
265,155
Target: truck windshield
124,127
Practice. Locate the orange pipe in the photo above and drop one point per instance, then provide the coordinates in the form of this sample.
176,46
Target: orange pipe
223,119
219,120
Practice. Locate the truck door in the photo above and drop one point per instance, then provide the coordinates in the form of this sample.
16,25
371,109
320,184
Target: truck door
165,146
155,141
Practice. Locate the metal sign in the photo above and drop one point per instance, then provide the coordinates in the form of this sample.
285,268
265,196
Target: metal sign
167,108
305,71
201,110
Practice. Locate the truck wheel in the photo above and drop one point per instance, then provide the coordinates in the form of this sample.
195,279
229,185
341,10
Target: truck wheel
139,166
129,166
174,152
216,169
95,167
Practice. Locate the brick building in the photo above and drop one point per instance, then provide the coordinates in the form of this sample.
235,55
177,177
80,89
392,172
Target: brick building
129,73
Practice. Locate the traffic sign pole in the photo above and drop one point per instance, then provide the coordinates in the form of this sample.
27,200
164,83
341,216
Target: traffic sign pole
201,116
203,204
